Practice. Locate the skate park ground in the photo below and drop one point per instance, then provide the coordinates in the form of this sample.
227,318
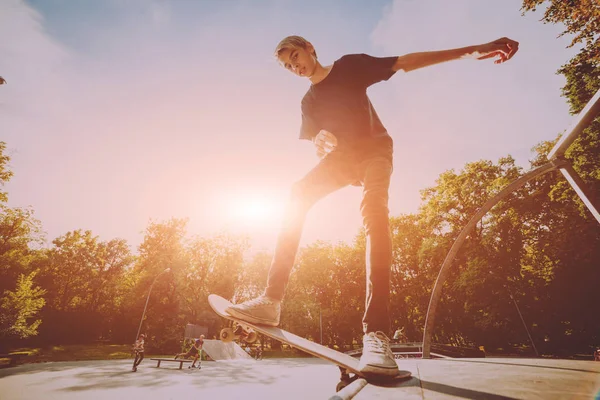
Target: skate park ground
301,378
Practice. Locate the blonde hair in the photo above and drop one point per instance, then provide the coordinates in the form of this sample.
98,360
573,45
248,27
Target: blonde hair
292,42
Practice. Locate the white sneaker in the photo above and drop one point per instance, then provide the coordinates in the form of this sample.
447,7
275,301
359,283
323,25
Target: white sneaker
261,310
377,357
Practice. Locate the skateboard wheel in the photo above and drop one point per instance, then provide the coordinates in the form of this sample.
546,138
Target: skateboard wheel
252,336
226,335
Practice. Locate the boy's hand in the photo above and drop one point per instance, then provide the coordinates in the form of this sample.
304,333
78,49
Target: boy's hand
503,49
325,142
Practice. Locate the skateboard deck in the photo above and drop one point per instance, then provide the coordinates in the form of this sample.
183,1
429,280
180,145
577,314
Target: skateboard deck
219,305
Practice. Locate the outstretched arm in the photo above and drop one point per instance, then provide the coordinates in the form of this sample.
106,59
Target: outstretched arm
502,49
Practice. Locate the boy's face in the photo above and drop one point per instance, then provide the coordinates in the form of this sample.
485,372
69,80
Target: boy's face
299,61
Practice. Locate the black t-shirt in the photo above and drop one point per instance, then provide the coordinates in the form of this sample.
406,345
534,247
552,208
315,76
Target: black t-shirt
339,103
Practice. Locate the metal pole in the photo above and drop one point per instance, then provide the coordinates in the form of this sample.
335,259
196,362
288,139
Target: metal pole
444,270
524,324
580,122
148,298
582,190
321,323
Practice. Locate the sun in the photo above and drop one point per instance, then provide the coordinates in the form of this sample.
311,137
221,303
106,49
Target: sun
253,208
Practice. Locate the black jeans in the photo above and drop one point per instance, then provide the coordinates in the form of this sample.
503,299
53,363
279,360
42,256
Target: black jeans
139,356
371,169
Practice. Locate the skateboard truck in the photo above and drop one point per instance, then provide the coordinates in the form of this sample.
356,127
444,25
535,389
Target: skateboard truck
238,330
345,379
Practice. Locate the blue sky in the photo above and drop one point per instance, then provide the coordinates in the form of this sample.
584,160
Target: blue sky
121,112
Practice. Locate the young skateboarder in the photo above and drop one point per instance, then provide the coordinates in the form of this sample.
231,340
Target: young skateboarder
355,149
199,344
138,347
194,351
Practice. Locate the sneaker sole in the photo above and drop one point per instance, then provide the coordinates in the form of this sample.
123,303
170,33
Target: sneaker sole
249,318
380,371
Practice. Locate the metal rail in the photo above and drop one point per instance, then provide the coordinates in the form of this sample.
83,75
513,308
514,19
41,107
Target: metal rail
556,161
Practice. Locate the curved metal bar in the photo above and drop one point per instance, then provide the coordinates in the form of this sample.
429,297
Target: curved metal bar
580,122
437,289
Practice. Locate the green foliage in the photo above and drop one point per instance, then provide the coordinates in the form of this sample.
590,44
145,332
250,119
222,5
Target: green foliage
20,237
20,307
5,172
84,280
581,19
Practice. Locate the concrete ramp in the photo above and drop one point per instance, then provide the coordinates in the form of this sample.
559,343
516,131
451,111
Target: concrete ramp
219,350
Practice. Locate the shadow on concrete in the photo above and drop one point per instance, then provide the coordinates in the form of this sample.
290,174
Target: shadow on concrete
84,376
461,392
57,366
527,365
407,382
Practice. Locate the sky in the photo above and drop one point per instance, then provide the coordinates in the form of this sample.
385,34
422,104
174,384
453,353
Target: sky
124,112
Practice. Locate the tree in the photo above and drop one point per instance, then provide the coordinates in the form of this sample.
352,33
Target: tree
20,234
575,241
84,281
19,307
581,19
5,172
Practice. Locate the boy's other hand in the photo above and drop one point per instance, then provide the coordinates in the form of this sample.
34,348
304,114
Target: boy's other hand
502,49
325,142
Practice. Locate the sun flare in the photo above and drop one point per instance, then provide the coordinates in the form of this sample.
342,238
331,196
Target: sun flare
252,209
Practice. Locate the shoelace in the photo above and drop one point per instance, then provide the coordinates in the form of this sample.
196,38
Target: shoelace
259,301
374,343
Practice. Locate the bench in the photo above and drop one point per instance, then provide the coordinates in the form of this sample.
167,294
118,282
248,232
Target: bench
180,361
14,357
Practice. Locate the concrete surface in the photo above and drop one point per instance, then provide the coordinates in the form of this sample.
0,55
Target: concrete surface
103,380
219,350
302,378
493,378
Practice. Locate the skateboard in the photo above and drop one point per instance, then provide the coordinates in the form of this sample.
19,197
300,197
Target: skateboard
189,370
347,364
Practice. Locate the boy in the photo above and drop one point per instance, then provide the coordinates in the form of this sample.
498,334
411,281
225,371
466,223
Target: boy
138,347
194,351
199,344
355,149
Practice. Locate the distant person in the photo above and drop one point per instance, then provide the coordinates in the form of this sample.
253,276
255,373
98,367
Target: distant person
138,348
399,335
259,353
194,351
199,346
597,354
482,349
